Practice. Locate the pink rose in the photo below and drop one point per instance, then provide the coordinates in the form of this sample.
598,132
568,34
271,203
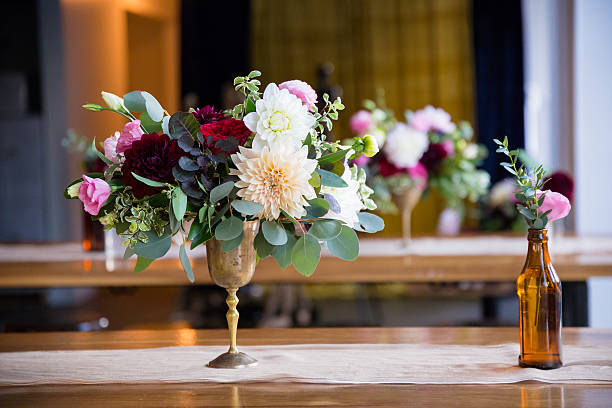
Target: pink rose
361,121
302,90
558,203
110,147
431,118
130,133
93,192
362,160
419,174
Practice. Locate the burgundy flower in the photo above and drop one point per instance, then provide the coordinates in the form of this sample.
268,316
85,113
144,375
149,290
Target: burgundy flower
208,114
561,182
434,155
152,157
388,169
224,129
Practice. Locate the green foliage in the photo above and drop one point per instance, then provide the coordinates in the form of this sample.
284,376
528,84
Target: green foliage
346,245
221,191
229,228
179,203
318,207
230,245
249,87
185,263
370,222
273,232
183,124
142,264
305,254
142,101
247,207
282,253
328,113
149,124
102,157
330,179
148,182
326,229
262,246
155,246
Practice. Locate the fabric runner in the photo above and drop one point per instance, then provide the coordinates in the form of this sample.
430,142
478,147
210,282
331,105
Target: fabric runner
320,363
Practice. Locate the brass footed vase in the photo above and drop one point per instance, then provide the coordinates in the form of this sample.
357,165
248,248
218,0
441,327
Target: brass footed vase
232,270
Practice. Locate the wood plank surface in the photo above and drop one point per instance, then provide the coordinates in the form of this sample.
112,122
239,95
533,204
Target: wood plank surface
529,394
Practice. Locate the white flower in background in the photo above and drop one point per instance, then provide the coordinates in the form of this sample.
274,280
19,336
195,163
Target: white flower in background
347,200
471,151
113,101
379,135
110,148
279,118
378,115
405,145
276,178
502,192
432,119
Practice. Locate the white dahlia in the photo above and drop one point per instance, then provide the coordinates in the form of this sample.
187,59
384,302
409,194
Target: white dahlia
276,178
279,118
348,200
405,145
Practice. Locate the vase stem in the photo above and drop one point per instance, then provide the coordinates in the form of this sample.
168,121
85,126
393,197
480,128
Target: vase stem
232,316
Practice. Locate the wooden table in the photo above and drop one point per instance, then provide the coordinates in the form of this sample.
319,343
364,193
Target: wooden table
529,394
94,270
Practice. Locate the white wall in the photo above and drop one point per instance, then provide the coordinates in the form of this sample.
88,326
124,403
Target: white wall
593,115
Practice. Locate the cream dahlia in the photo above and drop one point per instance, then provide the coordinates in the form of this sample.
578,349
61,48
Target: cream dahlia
276,178
279,118
405,145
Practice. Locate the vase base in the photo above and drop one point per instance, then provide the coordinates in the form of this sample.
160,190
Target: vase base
233,360
543,365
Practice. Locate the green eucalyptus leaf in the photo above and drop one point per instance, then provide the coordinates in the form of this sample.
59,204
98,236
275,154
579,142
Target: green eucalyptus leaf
326,229
247,207
129,252
221,191
142,101
229,228
230,245
149,124
148,182
201,237
186,263
263,247
273,232
179,203
305,254
282,253
333,157
194,230
155,247
526,213
183,124
371,222
318,207
142,264
330,179
346,245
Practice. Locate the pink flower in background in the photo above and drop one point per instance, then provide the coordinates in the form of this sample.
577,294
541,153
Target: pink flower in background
448,147
431,118
110,147
558,203
419,174
93,192
130,133
361,121
302,90
362,160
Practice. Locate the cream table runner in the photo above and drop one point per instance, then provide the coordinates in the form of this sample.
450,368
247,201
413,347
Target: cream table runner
320,363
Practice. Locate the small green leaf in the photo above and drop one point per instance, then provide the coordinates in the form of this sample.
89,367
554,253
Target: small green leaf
305,254
318,207
155,247
148,182
221,191
539,223
142,264
326,229
230,245
282,253
346,245
186,263
201,237
142,101
149,124
315,180
330,179
333,157
128,253
250,106
370,222
179,203
247,207
228,229
202,213
274,233
263,247
526,213
194,230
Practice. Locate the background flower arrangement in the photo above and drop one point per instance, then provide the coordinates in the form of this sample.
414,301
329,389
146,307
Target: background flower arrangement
203,173
426,152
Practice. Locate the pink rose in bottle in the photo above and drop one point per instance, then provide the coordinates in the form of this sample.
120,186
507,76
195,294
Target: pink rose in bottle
302,90
558,203
93,192
130,133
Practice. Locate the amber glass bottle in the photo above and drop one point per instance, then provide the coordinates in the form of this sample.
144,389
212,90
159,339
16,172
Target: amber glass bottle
539,292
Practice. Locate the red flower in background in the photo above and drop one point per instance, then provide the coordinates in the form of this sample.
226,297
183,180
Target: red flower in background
152,157
435,154
561,182
222,130
208,114
388,169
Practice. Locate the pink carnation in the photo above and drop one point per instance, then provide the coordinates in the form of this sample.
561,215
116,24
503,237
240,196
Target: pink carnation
431,118
93,192
110,148
558,203
361,121
130,133
419,174
302,90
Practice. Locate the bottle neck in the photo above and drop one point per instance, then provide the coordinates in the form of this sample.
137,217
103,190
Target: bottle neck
537,253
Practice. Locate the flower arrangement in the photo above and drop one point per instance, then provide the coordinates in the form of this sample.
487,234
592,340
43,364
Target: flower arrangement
203,173
427,151
537,207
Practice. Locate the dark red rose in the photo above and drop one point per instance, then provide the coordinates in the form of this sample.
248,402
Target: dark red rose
224,129
388,169
562,183
436,152
152,157
208,114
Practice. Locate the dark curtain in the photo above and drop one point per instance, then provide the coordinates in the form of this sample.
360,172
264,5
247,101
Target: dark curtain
498,52
214,47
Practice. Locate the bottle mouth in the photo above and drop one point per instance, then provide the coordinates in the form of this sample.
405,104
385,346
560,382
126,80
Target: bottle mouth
537,234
